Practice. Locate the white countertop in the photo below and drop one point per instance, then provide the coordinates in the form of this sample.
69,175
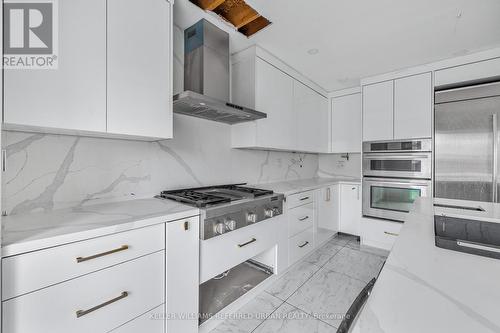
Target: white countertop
296,186
29,232
423,288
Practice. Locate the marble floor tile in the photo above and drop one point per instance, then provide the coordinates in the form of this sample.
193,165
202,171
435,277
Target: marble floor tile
319,257
250,316
357,264
292,280
340,240
331,247
327,295
288,319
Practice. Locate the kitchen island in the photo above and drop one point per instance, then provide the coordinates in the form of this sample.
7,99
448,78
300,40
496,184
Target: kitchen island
423,288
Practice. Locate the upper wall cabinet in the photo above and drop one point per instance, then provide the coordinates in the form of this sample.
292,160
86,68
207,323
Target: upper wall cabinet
73,96
113,77
398,109
311,110
297,116
413,107
139,68
346,124
378,111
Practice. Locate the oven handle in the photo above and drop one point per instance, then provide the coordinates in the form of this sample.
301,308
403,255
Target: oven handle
399,182
395,157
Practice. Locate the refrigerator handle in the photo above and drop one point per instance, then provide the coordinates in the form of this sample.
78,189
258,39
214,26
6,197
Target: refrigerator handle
495,158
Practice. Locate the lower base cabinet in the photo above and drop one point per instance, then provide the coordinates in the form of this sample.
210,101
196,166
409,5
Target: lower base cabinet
379,233
300,245
183,246
350,209
150,322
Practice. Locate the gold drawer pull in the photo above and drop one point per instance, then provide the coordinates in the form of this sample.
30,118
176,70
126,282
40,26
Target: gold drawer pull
391,233
301,246
82,259
253,240
81,313
304,198
304,218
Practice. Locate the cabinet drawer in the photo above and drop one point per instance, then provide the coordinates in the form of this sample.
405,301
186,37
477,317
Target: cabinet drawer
300,245
299,199
35,270
300,218
151,322
380,234
221,253
116,295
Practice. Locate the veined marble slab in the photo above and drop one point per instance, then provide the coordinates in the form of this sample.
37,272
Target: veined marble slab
423,288
23,233
301,185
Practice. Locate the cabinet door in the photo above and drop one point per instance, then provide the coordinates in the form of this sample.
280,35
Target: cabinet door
73,96
328,212
182,274
311,110
346,124
139,68
274,96
378,111
413,107
350,208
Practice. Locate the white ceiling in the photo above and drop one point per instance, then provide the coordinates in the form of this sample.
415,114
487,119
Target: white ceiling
360,38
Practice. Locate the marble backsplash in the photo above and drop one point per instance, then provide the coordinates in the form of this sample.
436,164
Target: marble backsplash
46,172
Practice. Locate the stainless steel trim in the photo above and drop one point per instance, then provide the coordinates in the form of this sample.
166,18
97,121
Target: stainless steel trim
476,246
391,156
304,218
301,246
81,313
494,187
253,240
83,259
467,93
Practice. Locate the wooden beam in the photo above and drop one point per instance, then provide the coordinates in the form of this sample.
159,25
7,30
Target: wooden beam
254,26
237,12
208,4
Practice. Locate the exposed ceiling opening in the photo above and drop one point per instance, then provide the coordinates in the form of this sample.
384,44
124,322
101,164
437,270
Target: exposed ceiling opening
237,12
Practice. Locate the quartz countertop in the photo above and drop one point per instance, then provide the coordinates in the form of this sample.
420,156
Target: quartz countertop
29,232
423,288
296,186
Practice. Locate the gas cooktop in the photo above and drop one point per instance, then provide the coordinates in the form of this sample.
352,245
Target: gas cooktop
202,197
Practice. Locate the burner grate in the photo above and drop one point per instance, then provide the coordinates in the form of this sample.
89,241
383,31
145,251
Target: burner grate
194,198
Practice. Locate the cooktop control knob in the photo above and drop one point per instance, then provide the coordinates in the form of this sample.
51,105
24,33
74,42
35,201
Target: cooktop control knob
252,217
230,224
276,211
219,228
269,212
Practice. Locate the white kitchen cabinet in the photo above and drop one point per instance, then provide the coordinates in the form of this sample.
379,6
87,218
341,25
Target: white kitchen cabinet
378,111
73,96
139,68
150,322
273,94
311,110
379,233
182,274
413,107
328,213
297,115
350,208
346,124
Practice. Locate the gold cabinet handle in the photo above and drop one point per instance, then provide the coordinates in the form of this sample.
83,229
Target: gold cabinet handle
121,248
81,313
304,218
301,246
253,240
390,233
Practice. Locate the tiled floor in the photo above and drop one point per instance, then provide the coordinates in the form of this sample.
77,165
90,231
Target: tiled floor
314,295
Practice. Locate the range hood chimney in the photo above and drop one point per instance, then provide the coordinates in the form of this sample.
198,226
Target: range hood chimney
206,77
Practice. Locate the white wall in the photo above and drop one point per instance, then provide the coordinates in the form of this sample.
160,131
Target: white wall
334,165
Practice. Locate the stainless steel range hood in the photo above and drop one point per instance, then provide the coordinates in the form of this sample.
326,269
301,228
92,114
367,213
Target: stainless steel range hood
206,77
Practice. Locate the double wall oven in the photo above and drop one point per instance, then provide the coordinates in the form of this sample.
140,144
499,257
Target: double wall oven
395,174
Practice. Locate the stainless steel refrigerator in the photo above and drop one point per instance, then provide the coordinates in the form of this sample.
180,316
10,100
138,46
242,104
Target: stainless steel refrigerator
467,143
